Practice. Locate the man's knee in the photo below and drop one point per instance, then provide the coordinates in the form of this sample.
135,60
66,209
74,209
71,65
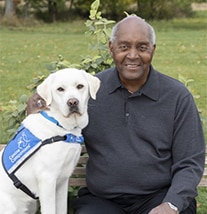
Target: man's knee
90,204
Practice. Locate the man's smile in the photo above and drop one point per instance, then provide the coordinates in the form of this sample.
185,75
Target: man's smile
132,65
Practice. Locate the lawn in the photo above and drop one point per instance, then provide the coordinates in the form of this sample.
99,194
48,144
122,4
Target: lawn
24,52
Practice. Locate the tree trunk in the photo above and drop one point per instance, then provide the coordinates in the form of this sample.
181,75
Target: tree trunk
71,4
10,9
52,9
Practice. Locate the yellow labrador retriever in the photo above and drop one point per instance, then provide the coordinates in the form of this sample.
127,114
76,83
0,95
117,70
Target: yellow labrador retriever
40,158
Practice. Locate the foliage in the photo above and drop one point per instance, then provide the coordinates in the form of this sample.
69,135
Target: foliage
99,29
48,10
110,8
14,113
57,10
164,9
201,1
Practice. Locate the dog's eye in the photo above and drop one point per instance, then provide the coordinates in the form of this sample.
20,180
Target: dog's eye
79,86
60,89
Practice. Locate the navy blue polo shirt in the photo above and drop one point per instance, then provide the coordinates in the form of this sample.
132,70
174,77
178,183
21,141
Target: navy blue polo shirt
142,142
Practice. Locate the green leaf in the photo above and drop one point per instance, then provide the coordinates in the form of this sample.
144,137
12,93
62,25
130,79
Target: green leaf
95,5
98,15
21,107
23,98
92,14
88,23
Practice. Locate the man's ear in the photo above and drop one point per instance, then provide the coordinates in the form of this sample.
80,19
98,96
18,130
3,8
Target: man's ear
154,48
111,48
44,89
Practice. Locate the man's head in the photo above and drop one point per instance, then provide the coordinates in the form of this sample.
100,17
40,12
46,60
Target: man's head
132,45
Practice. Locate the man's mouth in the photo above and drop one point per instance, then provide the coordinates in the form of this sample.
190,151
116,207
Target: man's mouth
132,66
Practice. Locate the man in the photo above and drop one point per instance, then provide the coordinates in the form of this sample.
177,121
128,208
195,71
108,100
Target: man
144,139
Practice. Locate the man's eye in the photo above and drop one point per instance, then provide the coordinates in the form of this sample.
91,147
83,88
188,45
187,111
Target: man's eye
143,48
60,89
123,47
79,86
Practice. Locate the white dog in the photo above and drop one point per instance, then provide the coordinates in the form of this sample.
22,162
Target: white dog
46,172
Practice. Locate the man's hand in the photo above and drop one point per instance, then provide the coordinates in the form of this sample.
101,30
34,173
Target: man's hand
163,208
36,104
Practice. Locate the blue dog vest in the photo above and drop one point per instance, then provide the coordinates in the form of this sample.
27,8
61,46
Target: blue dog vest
20,147
23,145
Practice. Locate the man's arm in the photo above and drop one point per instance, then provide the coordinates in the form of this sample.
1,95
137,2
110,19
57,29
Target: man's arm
188,156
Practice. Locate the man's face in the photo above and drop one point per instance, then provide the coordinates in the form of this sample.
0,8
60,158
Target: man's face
132,51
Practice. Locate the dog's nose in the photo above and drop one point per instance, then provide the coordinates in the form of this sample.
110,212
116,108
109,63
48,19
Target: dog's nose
72,102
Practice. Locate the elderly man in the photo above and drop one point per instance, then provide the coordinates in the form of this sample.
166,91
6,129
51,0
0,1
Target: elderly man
144,139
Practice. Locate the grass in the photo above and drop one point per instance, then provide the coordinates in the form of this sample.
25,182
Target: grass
202,200
181,49
24,53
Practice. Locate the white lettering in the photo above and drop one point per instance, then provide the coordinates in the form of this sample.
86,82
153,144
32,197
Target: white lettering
18,153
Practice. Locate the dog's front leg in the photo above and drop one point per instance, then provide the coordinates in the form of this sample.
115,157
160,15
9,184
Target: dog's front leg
62,193
47,196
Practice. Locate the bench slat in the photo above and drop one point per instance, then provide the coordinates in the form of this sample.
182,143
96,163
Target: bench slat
79,171
83,160
205,172
203,182
77,182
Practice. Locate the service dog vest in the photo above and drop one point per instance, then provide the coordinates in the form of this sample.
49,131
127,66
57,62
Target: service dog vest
20,147
23,145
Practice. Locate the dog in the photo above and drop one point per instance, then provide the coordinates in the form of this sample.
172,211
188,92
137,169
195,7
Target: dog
45,174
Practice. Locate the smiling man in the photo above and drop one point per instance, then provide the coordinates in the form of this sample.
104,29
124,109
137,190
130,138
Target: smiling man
132,52
144,138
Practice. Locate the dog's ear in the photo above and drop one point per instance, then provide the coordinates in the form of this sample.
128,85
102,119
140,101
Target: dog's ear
44,89
94,84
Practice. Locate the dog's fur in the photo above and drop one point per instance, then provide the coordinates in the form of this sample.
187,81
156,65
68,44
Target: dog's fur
47,172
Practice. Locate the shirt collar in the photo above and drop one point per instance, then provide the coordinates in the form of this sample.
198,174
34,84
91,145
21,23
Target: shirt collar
149,89
114,81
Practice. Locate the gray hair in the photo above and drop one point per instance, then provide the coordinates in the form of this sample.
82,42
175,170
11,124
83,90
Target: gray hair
116,28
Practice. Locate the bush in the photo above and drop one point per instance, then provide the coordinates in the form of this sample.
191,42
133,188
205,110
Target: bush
164,9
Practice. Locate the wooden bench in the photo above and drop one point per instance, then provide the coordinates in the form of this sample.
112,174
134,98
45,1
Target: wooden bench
78,177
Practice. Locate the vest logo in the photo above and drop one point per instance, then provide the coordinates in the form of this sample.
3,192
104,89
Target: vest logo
22,146
19,148
23,141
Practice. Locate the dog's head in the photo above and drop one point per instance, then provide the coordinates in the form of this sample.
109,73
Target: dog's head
68,91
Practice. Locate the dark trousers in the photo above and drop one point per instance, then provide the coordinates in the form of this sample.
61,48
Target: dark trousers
87,203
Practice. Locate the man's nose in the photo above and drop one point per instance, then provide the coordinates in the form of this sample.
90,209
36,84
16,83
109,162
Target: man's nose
133,54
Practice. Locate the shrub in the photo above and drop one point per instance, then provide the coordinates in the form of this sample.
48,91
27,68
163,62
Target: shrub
164,9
